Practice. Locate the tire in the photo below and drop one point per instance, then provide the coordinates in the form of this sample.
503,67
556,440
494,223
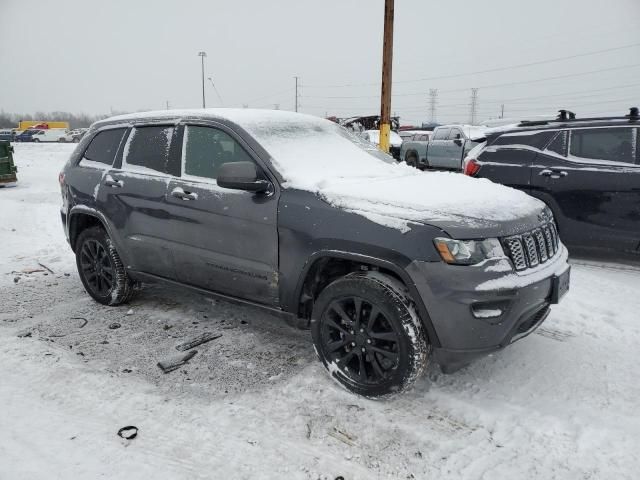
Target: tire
35,140
101,271
370,357
412,160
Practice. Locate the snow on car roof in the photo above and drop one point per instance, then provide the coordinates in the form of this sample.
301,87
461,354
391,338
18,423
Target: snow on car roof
319,156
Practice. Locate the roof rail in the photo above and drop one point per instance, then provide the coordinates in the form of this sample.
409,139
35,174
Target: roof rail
569,116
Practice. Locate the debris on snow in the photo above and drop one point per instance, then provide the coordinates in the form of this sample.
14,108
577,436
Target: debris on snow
46,268
343,436
24,333
128,433
84,321
114,326
199,340
173,363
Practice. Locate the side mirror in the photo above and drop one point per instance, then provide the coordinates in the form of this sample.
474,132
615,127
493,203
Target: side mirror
457,140
242,176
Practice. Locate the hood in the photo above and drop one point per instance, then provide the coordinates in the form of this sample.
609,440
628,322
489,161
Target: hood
462,206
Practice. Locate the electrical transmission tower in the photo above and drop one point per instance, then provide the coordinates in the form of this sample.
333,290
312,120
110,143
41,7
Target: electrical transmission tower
433,96
474,106
298,93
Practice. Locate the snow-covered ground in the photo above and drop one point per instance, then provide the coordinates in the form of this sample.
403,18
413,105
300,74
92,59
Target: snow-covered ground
562,403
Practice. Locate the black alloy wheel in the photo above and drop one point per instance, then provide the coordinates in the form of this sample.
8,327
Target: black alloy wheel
360,339
96,267
100,268
368,335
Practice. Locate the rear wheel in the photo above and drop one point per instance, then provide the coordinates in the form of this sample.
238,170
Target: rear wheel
367,334
36,140
412,160
100,268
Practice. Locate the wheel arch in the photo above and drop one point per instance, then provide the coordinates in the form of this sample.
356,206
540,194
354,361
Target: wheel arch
82,217
310,284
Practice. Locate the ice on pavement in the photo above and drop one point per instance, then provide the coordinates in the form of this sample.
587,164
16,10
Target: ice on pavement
561,403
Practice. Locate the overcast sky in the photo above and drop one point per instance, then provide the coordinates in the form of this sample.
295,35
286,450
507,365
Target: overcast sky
97,56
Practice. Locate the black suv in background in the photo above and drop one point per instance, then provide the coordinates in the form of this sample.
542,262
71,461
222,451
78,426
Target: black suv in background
587,170
293,214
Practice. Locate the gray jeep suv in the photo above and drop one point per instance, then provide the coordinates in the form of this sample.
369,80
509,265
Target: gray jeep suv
387,265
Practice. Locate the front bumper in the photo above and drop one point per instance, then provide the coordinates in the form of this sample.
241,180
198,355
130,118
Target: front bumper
458,299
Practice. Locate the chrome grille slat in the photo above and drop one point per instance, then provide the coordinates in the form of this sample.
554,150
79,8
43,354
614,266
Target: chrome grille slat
551,250
541,244
516,253
532,253
532,248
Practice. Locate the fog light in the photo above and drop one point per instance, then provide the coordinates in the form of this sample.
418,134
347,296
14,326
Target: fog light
486,313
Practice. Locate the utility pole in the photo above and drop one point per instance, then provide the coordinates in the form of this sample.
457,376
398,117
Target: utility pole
474,106
167,104
502,111
202,55
296,101
387,63
433,96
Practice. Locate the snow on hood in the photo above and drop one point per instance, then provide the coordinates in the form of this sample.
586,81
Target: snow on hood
322,157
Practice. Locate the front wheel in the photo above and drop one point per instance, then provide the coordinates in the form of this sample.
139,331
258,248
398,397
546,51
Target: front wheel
101,271
368,335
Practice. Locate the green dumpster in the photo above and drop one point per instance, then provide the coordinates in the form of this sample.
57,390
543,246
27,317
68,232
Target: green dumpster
7,168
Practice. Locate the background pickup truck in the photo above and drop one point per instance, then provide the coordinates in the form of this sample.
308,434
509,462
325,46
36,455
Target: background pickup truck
414,149
449,145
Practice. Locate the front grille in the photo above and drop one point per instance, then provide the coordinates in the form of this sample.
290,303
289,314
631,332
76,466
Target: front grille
532,248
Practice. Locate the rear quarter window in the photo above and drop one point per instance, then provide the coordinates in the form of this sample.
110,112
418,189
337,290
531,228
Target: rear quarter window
536,140
103,147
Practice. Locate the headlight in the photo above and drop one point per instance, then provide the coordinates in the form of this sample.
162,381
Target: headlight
468,252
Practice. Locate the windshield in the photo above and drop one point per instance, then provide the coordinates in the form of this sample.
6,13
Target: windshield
308,150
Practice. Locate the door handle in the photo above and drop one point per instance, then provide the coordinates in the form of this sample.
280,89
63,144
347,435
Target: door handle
109,181
182,195
553,173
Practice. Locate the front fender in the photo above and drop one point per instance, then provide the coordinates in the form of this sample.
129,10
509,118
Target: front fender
391,264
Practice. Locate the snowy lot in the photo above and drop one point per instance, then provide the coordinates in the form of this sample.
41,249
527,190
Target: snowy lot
562,403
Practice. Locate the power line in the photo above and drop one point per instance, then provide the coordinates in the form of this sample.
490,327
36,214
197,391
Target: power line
568,96
270,95
490,70
495,85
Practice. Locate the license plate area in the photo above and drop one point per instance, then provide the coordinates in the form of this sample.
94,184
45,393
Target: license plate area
560,285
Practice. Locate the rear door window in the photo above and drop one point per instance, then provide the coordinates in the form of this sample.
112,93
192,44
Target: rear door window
147,149
103,147
206,149
603,145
